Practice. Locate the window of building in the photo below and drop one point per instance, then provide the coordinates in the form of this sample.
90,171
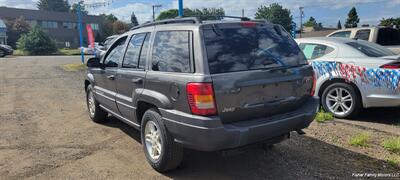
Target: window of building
50,24
171,52
95,26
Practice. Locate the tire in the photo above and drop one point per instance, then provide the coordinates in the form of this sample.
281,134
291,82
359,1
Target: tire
169,155
2,53
348,102
97,114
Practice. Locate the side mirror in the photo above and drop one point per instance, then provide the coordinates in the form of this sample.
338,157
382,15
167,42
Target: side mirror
93,62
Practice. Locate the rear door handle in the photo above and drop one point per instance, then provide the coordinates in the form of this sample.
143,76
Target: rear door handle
111,77
137,80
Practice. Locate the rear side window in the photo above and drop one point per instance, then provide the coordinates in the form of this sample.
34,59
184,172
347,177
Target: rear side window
388,37
363,34
233,48
314,51
370,49
344,34
171,51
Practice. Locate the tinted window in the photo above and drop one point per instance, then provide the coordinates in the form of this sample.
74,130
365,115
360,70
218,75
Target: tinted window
143,54
314,51
114,54
371,49
363,34
388,37
233,48
133,51
345,34
171,52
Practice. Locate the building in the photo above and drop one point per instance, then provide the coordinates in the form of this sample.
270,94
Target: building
61,26
3,30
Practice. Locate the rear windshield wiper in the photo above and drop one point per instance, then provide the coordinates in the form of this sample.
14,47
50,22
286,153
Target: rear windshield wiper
274,58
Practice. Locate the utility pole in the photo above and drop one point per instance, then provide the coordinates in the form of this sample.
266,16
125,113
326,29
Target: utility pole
301,19
180,8
79,13
155,6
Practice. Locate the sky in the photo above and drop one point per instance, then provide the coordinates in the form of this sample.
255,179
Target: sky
328,12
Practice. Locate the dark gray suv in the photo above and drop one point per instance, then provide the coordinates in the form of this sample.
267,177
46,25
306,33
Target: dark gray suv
209,86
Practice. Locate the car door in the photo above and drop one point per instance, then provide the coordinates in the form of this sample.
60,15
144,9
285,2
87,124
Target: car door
105,77
131,75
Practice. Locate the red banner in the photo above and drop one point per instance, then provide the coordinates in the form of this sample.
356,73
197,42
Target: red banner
90,36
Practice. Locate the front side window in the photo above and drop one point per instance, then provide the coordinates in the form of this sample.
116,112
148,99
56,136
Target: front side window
133,52
363,34
314,51
171,52
344,34
114,54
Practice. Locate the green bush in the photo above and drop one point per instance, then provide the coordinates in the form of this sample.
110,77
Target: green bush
361,139
392,144
37,42
323,116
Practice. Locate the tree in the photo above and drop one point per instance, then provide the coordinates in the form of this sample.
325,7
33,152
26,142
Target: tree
276,14
390,22
134,20
120,27
15,29
53,5
74,8
311,22
339,25
37,42
203,14
352,19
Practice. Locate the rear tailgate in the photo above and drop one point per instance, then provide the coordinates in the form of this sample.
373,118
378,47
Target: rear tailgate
257,70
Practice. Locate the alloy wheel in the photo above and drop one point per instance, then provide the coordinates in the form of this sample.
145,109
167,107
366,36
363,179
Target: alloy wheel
339,101
153,140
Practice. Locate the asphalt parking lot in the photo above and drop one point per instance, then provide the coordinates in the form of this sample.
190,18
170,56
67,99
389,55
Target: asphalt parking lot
46,133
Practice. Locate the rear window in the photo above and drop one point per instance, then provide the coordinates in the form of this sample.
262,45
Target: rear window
232,48
388,37
370,49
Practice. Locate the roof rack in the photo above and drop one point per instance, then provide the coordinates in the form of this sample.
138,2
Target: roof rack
217,17
190,20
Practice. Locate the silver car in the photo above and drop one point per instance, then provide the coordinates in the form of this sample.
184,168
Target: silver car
353,74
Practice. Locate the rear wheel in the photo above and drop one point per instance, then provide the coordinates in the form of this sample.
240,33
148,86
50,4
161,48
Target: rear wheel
161,151
341,100
96,113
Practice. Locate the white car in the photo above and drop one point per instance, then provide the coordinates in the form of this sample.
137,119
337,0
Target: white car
353,74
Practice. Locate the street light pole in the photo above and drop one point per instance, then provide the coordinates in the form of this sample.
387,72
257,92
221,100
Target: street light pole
155,6
301,19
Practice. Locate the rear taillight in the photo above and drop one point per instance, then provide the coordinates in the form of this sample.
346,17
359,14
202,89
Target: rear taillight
201,99
395,65
314,84
248,24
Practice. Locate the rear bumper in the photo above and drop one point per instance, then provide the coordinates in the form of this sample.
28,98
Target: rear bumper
209,134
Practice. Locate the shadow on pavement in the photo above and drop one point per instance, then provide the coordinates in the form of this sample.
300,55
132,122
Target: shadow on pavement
390,116
300,157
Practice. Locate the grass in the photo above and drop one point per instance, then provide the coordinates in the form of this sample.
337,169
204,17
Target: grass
393,160
323,116
392,144
60,52
74,67
360,139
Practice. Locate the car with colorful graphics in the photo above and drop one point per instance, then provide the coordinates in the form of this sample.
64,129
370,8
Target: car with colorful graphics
209,86
353,74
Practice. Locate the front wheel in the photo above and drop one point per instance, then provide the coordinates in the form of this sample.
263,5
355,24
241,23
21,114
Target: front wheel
341,100
96,113
161,151
2,53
